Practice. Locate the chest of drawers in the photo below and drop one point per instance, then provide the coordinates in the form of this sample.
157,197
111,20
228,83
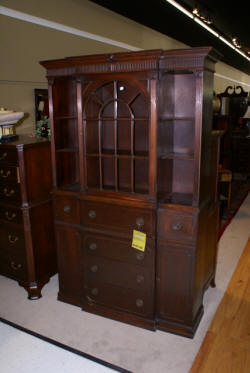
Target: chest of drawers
27,247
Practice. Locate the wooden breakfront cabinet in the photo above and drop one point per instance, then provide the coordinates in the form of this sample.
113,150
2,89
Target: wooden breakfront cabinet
131,150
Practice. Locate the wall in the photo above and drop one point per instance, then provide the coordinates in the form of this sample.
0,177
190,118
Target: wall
25,44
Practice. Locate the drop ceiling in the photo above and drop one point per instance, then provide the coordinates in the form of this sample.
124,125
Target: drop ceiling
229,19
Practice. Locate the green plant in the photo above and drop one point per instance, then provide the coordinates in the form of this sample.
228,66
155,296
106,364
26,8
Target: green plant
43,127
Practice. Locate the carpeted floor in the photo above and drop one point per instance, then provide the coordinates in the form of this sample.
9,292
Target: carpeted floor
129,347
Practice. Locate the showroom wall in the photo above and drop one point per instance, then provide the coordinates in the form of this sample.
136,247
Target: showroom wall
32,31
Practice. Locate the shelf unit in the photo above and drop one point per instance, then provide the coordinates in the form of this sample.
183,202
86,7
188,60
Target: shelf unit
131,150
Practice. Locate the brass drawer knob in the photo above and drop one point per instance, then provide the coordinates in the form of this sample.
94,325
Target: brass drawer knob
177,226
8,194
12,239
94,291
139,256
139,279
93,246
92,214
6,174
94,268
9,216
3,156
67,208
15,266
140,222
139,302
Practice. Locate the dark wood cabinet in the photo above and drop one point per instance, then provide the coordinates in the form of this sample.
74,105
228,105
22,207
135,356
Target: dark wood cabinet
27,243
132,150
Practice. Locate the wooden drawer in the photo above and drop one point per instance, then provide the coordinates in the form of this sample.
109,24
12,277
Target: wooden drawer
11,214
12,238
10,193
118,273
67,209
117,217
177,225
12,264
122,299
7,155
9,174
120,250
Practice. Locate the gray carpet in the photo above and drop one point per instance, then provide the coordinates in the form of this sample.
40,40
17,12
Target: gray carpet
129,347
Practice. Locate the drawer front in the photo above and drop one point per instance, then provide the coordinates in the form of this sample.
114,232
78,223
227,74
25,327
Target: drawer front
120,250
7,155
67,209
119,274
13,265
10,214
10,193
8,174
116,217
12,238
121,299
176,225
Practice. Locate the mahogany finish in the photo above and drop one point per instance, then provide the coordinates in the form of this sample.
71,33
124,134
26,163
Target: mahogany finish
27,242
132,150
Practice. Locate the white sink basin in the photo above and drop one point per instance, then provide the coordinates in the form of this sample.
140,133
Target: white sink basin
9,117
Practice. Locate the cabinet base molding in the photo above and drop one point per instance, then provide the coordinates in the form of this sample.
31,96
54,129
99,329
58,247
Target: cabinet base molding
127,318
181,329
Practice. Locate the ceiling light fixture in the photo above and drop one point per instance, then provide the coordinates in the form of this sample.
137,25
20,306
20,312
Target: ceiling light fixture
205,26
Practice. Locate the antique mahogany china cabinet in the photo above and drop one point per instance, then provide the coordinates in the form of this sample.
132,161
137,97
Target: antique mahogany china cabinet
132,152
27,240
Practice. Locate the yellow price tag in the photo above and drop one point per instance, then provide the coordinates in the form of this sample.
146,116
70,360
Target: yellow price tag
139,240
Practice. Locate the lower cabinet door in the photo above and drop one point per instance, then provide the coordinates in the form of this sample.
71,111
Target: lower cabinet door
69,253
174,282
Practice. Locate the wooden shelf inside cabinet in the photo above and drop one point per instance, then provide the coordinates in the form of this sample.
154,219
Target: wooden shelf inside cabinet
67,150
181,156
63,117
176,199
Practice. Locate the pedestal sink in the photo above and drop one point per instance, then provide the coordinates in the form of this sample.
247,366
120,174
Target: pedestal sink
8,118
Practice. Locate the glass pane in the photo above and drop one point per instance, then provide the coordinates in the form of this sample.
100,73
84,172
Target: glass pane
93,176
139,107
126,91
92,136
105,92
141,137
108,137
124,137
141,176
93,107
108,173
124,175
123,110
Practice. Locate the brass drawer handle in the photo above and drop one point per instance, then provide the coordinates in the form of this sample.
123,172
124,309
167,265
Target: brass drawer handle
8,173
140,222
92,214
139,256
139,279
139,302
10,217
12,239
67,208
94,268
93,246
177,226
15,266
94,291
3,156
8,194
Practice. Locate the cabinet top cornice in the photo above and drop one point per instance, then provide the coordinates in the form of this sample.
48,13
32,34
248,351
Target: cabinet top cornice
148,60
